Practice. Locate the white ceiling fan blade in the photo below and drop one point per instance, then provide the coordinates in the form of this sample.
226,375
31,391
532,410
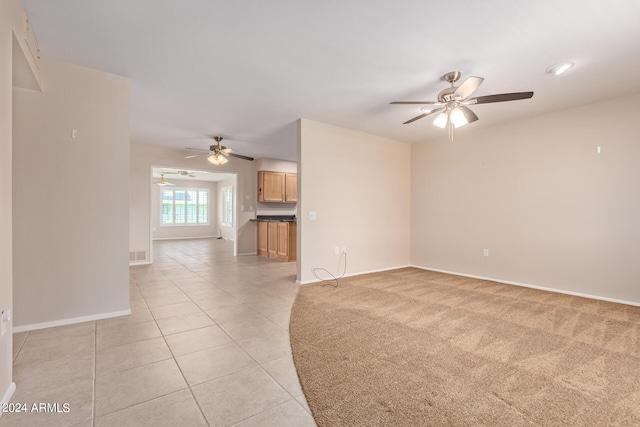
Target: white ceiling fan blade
468,87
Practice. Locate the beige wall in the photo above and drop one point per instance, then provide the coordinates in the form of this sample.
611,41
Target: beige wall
185,232
359,186
70,197
552,211
6,271
17,67
276,165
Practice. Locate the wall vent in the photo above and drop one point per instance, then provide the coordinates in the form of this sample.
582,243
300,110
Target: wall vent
132,256
141,255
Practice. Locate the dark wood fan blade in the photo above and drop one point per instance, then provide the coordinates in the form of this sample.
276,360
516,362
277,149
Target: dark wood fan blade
423,115
240,156
468,87
468,114
414,102
501,97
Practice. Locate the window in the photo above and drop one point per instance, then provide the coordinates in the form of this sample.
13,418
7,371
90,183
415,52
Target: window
227,207
185,206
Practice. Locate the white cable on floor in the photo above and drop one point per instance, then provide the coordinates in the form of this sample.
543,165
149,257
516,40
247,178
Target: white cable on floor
313,270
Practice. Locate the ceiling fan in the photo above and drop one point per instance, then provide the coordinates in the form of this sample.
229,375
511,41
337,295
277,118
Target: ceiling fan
162,181
218,153
452,103
191,174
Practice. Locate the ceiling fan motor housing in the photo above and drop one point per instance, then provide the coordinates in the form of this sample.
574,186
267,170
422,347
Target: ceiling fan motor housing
447,95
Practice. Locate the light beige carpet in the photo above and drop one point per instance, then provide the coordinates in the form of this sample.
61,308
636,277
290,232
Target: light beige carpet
416,348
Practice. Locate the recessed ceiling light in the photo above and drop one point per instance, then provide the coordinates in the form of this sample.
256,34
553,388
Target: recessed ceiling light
559,68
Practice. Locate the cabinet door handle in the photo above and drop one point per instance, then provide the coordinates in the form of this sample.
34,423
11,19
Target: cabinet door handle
260,190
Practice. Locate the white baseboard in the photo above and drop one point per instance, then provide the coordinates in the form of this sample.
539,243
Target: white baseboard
132,263
298,282
185,238
70,321
248,253
7,395
526,285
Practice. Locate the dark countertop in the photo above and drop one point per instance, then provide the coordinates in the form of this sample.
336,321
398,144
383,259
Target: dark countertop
276,218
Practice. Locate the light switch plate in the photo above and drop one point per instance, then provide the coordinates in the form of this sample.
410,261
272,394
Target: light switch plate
4,319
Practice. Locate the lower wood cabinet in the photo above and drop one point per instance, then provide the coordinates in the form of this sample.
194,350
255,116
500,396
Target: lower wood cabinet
286,241
272,239
263,238
277,240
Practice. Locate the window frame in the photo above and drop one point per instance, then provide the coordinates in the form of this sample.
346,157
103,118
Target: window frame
226,207
185,210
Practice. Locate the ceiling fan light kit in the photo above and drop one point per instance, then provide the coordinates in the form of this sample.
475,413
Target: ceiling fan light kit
452,102
217,159
442,120
217,154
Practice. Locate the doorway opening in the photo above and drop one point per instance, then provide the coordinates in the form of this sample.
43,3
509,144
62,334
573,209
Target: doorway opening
192,204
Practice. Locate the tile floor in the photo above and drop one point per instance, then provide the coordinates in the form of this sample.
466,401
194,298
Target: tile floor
206,344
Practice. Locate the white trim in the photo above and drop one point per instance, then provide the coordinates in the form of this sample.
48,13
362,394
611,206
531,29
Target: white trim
8,394
70,321
299,282
526,285
228,189
134,263
248,253
184,238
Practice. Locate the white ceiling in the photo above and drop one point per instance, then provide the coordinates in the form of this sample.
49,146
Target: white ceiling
247,70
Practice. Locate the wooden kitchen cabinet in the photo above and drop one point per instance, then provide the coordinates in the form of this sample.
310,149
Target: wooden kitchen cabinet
290,187
277,187
286,241
263,238
277,240
272,239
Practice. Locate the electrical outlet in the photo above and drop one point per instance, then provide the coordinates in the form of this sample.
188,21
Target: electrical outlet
485,252
337,251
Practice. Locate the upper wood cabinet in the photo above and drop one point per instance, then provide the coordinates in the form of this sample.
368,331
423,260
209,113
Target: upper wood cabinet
277,187
290,187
